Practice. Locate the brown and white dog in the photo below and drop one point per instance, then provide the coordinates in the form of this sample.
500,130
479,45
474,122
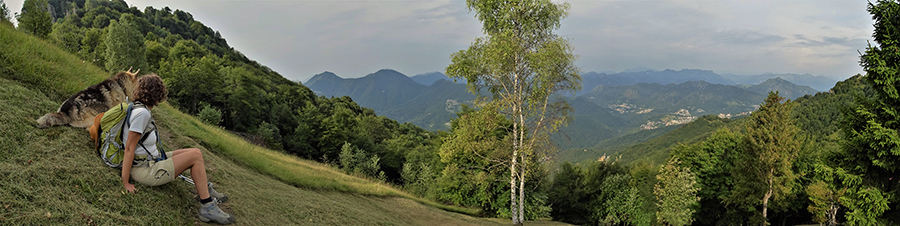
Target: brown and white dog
80,109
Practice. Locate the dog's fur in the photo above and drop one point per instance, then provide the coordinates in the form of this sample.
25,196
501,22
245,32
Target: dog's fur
80,109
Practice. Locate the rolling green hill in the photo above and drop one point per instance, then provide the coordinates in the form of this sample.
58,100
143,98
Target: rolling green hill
392,94
697,97
589,124
664,77
53,177
380,90
432,77
433,108
818,116
820,83
784,88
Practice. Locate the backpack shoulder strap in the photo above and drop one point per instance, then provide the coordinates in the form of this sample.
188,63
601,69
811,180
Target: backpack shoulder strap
127,119
146,134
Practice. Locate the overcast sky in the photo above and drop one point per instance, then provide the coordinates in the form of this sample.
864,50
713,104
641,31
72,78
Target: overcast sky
301,38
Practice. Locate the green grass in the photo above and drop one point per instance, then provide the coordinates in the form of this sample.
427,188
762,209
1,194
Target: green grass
655,151
39,65
287,168
53,176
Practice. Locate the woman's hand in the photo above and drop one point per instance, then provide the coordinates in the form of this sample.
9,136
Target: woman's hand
129,188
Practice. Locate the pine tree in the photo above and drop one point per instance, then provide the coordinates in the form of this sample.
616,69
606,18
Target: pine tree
763,171
125,45
4,14
872,128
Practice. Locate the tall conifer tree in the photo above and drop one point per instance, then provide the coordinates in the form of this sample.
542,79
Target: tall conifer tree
763,171
872,128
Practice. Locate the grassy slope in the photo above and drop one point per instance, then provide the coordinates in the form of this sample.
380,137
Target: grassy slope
52,176
655,151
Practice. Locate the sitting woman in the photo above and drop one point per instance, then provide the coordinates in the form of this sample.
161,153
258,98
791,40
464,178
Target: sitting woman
141,155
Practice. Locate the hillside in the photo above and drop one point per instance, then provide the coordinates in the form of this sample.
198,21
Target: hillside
655,151
785,88
654,105
590,123
817,82
432,77
53,177
665,77
393,95
433,108
610,146
380,90
818,116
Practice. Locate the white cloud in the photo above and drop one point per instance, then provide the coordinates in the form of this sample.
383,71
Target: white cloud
352,38
741,36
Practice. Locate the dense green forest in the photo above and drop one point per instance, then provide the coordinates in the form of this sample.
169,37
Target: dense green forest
825,158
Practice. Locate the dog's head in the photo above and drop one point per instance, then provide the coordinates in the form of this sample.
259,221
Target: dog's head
128,78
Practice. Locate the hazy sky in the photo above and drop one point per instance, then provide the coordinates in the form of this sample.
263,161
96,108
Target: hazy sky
301,38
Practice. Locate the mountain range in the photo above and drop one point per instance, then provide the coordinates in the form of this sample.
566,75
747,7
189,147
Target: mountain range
817,82
431,77
396,96
609,106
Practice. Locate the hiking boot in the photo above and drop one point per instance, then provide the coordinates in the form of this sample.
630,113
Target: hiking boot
211,212
222,198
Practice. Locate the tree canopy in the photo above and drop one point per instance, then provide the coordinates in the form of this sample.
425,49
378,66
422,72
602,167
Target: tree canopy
872,127
35,19
523,64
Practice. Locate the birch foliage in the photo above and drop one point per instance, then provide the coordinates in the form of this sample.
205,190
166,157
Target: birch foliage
523,64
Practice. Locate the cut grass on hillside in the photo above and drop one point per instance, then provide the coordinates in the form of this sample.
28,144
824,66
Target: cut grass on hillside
53,177
288,168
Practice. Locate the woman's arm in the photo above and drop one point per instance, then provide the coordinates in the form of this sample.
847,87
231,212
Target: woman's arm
128,159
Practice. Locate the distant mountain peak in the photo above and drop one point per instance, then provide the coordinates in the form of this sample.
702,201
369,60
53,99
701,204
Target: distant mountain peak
327,74
387,74
324,76
786,88
776,80
431,78
637,69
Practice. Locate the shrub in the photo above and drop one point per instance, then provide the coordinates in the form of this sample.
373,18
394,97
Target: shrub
210,115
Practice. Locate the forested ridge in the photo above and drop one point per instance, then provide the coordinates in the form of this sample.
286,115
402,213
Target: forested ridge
824,158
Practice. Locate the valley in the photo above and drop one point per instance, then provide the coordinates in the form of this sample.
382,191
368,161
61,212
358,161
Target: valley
609,105
545,141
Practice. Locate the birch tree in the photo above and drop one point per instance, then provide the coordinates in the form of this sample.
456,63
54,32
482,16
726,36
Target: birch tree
523,64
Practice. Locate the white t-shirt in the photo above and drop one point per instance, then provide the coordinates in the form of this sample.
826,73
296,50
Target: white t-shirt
140,119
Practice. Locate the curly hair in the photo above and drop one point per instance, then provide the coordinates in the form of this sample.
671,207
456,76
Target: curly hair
150,90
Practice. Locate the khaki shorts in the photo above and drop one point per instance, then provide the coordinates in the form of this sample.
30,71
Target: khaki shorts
152,173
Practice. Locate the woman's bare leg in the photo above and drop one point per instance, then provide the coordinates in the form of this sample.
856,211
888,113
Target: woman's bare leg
192,158
181,151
